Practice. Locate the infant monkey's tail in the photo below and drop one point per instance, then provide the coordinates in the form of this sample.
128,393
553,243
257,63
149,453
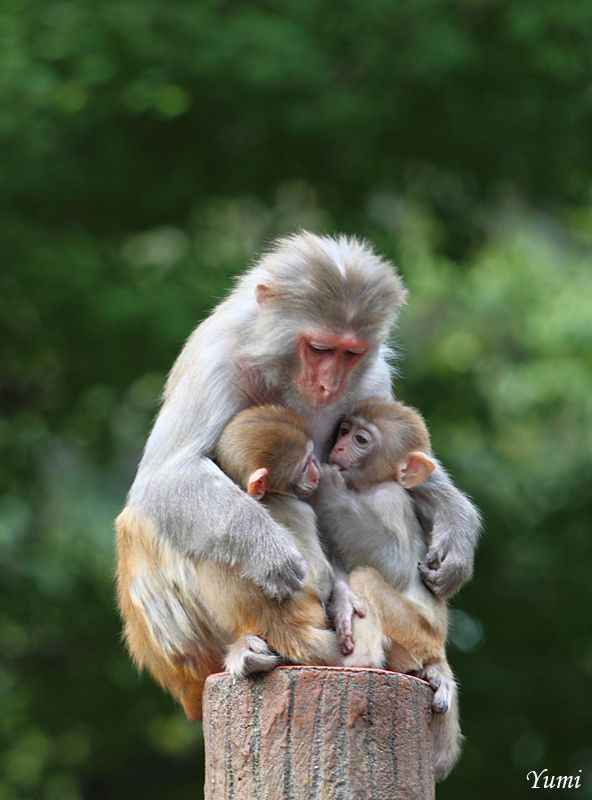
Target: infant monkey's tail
447,735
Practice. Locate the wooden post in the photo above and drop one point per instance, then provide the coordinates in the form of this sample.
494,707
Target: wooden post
318,733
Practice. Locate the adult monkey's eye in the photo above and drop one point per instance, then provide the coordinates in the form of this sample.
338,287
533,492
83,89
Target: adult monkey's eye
319,348
354,353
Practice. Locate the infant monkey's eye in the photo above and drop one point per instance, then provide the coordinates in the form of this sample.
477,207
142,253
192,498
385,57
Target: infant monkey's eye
343,430
361,438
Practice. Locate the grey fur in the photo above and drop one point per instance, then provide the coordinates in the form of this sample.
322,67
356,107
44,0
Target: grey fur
452,524
238,357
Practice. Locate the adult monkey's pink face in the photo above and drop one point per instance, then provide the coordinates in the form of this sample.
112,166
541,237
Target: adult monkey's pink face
325,363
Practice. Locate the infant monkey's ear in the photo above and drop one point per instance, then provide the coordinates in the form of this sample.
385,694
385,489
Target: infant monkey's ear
414,469
257,485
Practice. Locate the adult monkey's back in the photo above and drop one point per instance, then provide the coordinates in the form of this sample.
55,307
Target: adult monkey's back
305,327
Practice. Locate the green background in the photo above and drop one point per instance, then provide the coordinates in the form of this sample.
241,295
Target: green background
148,153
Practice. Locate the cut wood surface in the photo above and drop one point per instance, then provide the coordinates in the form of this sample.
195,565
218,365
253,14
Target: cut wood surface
318,733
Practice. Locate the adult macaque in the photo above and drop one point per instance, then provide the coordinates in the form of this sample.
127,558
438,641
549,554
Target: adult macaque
306,328
370,526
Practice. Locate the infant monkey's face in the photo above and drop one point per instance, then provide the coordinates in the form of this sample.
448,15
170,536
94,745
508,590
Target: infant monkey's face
356,439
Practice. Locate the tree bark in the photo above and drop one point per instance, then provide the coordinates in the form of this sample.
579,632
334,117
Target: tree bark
318,733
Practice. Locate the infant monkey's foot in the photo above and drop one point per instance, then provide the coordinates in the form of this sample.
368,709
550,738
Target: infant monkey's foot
343,606
250,654
441,683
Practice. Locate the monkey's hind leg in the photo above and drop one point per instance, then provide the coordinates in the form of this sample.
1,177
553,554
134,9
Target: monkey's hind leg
297,629
440,677
445,722
165,628
402,620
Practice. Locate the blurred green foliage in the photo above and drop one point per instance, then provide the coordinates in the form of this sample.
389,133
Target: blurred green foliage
149,151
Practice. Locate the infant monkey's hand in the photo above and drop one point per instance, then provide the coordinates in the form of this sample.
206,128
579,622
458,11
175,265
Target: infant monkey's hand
332,478
343,605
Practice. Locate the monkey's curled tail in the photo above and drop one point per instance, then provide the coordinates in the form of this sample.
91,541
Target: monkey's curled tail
447,734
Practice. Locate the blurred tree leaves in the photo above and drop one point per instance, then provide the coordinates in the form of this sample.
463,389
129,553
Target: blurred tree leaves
149,152
342,97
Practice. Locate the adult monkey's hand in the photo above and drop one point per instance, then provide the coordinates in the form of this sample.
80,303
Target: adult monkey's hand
202,514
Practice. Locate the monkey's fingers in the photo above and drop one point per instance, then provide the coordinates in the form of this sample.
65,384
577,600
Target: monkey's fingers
431,577
331,478
444,580
358,608
343,627
434,557
342,619
425,570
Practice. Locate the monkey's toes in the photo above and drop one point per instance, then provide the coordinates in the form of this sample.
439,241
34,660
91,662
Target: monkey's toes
440,684
443,694
260,657
250,654
440,704
434,680
260,662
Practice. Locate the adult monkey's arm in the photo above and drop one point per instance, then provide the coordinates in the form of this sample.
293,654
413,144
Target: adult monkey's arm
187,499
452,524
206,516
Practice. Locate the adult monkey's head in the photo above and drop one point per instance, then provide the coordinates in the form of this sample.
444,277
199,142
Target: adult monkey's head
324,306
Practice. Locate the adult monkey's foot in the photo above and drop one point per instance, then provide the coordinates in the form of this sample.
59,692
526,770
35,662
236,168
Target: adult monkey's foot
250,654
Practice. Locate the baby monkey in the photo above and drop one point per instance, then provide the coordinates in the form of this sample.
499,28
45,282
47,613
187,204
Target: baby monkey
372,531
268,451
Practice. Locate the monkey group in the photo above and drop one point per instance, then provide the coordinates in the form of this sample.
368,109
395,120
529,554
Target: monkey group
237,549
366,521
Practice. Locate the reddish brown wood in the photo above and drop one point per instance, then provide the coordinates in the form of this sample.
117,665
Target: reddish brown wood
318,733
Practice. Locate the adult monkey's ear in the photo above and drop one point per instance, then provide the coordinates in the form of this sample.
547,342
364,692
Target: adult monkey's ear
264,294
414,469
257,484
